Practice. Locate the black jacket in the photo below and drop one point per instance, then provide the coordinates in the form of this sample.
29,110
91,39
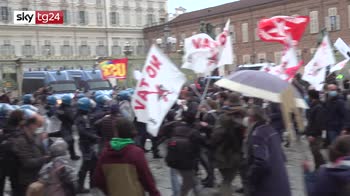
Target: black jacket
316,117
336,113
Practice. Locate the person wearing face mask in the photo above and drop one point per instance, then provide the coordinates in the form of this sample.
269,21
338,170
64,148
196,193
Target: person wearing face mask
316,124
336,112
29,150
266,173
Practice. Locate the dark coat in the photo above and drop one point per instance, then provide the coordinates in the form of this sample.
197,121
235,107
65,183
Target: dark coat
335,114
330,180
347,117
31,156
226,141
316,118
267,174
88,138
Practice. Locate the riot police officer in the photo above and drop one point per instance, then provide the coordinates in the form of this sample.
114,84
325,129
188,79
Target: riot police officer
65,114
88,140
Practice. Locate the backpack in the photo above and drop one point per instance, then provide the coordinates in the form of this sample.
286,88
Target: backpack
182,151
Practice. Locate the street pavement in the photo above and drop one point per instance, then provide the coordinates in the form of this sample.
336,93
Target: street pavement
296,154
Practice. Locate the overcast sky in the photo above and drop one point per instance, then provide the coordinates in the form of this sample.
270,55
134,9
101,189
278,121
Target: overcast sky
192,5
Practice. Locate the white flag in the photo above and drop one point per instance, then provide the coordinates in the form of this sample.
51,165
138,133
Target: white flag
157,90
343,48
289,64
315,70
315,74
203,54
339,66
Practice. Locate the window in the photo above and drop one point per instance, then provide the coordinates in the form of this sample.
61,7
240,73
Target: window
245,33
126,17
65,17
246,59
101,49
99,19
82,17
84,49
114,18
332,20
116,49
139,18
47,49
232,33
66,49
140,50
98,3
7,49
4,13
262,57
28,50
24,9
314,26
278,57
150,19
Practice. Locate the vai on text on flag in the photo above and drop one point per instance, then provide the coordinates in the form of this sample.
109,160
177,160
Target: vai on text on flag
157,90
116,68
203,54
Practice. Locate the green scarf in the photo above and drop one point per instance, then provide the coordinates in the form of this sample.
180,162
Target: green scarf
120,143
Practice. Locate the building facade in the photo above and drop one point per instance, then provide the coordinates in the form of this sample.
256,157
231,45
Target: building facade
92,28
332,15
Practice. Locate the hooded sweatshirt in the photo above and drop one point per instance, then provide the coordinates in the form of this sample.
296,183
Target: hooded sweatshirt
331,180
123,170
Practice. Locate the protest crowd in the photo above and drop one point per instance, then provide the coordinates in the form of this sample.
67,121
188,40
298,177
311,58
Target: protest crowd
204,126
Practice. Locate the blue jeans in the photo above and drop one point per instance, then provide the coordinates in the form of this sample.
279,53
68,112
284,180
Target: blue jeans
332,136
175,184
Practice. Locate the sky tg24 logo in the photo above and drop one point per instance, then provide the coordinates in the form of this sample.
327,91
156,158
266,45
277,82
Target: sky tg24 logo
38,17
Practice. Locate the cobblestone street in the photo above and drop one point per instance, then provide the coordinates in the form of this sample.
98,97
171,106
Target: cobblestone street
296,154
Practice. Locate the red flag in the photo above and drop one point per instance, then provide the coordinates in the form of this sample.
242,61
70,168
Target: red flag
277,28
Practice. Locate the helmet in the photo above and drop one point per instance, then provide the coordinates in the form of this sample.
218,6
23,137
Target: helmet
29,107
28,99
5,109
85,104
102,99
124,95
66,100
130,90
28,113
51,100
98,93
